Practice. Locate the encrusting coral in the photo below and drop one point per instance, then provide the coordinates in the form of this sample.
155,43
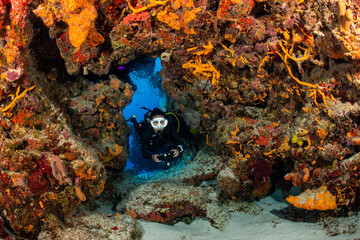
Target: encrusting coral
185,12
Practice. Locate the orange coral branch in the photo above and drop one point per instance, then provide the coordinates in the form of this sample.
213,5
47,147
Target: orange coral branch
207,141
102,184
204,69
80,194
17,97
153,3
309,143
291,74
305,57
235,132
112,154
315,87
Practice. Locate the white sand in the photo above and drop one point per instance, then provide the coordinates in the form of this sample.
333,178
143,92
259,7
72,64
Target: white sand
242,226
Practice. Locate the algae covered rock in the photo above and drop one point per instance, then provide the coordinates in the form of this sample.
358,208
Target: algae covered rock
228,181
87,225
164,202
168,202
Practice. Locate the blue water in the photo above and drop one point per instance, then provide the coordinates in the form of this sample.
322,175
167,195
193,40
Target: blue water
148,94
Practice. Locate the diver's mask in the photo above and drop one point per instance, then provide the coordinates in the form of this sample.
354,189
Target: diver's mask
159,122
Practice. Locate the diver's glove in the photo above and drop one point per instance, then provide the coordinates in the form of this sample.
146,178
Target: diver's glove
176,151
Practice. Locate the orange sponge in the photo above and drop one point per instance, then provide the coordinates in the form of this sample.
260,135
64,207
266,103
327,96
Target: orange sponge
80,15
316,199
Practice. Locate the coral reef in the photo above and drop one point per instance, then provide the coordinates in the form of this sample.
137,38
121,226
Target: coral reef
272,88
36,176
97,118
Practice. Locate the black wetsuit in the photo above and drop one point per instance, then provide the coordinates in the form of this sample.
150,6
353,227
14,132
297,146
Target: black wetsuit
161,142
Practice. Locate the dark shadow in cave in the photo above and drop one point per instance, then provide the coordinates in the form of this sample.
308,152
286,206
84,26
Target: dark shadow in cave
46,52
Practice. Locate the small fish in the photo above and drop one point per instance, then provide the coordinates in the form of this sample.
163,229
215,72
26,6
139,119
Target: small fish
121,67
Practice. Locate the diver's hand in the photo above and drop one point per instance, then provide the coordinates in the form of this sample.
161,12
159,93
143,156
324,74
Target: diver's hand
155,158
175,152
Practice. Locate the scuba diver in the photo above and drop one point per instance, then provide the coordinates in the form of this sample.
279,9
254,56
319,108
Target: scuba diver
159,137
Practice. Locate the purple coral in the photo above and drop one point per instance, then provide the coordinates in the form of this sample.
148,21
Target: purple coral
261,170
13,74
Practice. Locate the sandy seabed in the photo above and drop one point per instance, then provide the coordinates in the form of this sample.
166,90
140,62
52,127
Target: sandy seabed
264,226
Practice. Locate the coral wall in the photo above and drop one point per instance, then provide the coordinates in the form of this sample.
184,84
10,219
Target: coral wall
275,82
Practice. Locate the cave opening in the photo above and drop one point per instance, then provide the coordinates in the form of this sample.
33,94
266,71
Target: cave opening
46,52
143,73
